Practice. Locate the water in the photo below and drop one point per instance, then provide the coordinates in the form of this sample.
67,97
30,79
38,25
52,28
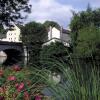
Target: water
4,61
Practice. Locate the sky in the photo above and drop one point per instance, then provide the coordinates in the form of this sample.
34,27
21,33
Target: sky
59,11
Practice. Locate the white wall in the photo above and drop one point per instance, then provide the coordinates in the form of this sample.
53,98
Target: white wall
13,35
49,35
53,33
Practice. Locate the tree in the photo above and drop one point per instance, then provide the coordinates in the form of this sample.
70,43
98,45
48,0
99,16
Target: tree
33,32
81,19
84,19
82,25
89,9
10,10
52,52
88,41
1,29
33,36
47,24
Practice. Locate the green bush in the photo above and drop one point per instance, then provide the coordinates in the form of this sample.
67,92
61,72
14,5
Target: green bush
53,51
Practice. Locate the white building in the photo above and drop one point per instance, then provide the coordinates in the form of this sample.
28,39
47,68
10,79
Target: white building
13,35
61,35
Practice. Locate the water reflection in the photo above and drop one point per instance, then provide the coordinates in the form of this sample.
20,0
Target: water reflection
2,59
7,60
12,60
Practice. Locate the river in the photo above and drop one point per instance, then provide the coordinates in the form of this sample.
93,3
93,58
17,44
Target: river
4,61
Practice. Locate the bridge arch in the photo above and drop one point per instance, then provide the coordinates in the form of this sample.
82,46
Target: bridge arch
13,56
13,50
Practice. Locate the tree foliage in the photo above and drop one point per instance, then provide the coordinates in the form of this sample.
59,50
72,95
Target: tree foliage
47,24
86,32
54,51
33,36
88,42
10,10
1,29
34,32
84,19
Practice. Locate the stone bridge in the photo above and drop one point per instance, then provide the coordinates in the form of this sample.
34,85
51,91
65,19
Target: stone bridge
13,50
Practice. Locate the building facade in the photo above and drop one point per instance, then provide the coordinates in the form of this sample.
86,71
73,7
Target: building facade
61,35
13,35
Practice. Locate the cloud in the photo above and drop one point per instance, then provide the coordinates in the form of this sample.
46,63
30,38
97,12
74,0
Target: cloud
58,10
43,10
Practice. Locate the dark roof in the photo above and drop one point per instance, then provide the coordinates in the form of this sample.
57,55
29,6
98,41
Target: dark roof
65,31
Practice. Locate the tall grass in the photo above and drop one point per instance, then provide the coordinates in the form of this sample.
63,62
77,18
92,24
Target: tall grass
78,82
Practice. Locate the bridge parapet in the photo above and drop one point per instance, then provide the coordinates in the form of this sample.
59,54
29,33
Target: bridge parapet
4,45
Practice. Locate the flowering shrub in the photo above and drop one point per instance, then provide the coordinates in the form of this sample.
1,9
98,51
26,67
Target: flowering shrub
37,97
16,84
16,68
11,78
1,73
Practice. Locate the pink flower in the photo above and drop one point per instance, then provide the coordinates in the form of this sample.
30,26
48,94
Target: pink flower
26,95
11,78
16,68
20,87
1,90
2,98
38,98
28,82
1,73
16,85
